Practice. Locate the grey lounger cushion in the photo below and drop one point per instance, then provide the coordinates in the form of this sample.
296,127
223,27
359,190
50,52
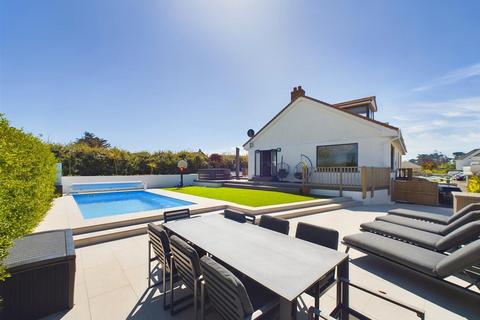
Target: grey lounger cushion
432,241
463,235
459,260
435,217
430,262
404,253
431,226
413,223
422,238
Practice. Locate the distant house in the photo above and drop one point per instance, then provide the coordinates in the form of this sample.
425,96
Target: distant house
466,159
344,134
411,165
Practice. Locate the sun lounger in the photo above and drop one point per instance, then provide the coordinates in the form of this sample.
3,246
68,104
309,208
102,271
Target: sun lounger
463,235
433,264
431,226
432,217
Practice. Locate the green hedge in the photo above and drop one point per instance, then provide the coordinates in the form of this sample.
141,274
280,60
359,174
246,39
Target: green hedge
27,177
80,159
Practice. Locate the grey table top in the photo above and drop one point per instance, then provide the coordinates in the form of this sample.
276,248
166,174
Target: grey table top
283,264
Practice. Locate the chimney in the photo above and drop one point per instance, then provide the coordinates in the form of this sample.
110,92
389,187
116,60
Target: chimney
297,93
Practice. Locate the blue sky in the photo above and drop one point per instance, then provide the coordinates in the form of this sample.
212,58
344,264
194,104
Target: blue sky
157,75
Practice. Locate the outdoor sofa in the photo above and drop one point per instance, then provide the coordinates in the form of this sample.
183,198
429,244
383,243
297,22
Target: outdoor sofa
433,217
442,229
433,264
436,242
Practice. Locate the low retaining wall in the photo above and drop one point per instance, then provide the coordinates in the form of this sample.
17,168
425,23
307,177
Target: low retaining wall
152,181
463,199
380,196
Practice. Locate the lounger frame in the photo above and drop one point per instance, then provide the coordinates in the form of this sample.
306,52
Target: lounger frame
475,271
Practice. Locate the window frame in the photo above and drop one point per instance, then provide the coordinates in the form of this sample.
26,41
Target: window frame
336,145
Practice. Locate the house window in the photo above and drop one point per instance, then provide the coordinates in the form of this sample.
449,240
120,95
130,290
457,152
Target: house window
392,157
338,155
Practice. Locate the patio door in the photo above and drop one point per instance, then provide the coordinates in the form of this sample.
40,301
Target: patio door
266,163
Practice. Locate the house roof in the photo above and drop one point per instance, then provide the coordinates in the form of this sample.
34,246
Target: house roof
370,101
408,164
335,106
467,155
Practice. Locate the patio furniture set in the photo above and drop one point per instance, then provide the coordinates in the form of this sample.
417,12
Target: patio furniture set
241,270
432,245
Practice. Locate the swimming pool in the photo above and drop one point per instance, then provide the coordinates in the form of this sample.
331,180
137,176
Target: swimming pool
98,205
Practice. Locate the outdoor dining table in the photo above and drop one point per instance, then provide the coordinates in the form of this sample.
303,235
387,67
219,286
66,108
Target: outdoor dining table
285,265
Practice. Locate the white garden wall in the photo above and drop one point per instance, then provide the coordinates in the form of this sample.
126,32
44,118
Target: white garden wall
151,181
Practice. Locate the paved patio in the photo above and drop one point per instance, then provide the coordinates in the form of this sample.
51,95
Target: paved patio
111,280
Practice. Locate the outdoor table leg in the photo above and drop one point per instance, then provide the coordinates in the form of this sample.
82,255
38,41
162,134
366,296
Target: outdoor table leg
288,309
343,289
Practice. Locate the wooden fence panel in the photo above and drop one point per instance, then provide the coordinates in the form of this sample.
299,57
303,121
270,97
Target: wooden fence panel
415,191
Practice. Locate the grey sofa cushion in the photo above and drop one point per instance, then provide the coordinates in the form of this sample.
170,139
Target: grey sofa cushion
409,255
420,215
413,223
469,217
462,235
422,238
221,282
459,260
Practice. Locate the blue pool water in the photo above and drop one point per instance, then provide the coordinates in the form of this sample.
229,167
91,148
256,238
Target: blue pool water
97,205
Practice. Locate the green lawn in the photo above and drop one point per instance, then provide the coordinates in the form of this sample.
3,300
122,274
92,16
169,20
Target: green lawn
249,197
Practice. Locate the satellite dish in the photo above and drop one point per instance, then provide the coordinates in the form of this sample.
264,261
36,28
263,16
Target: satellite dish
250,133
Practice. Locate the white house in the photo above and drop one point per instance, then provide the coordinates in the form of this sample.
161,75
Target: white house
466,159
327,135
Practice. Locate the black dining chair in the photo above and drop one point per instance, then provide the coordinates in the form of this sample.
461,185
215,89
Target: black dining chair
186,262
176,215
159,242
238,216
324,237
316,234
274,224
232,298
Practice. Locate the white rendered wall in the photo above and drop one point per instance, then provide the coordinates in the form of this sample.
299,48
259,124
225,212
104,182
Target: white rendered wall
380,196
459,164
152,181
307,124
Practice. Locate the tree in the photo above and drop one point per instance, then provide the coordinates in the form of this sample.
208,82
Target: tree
116,155
92,140
215,160
152,165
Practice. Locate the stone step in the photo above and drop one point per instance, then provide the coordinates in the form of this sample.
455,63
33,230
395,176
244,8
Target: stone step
262,187
87,239
136,221
294,213
286,212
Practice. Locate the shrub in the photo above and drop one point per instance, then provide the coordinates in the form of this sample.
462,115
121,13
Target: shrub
27,176
474,184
